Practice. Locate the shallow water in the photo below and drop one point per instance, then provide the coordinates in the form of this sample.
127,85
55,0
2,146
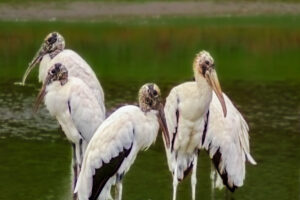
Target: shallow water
35,156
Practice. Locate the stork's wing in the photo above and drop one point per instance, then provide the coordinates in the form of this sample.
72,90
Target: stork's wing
227,142
172,116
107,151
85,111
78,67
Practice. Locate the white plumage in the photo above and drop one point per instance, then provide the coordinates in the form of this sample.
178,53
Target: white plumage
185,110
195,114
230,137
74,103
75,107
83,94
127,128
116,144
53,51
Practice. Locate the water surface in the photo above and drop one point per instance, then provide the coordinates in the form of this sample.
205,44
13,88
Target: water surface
35,156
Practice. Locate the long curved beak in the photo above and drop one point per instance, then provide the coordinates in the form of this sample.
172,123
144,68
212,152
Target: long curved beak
163,124
41,95
36,59
213,80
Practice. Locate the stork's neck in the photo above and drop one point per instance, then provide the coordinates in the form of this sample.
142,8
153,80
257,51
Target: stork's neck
202,82
55,52
204,88
44,67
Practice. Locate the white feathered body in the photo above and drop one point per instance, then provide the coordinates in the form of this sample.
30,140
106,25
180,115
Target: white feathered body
77,67
128,127
198,118
228,136
186,108
75,108
56,101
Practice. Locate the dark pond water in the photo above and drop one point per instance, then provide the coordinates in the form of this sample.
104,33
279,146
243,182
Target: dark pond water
35,156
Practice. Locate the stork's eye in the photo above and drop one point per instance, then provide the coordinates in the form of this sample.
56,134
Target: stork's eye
207,62
51,40
155,93
149,101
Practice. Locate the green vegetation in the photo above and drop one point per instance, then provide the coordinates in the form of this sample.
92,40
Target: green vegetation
248,48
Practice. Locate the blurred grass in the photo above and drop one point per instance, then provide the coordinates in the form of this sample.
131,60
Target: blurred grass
244,48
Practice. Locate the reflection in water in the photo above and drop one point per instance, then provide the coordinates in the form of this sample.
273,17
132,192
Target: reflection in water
35,156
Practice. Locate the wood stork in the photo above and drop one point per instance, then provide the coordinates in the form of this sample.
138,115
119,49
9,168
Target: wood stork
195,123
117,142
75,107
53,51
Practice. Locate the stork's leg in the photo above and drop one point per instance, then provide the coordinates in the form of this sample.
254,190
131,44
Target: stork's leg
213,181
175,182
216,181
194,177
119,187
75,170
80,155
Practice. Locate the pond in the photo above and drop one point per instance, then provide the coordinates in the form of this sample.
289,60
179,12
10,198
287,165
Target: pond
258,65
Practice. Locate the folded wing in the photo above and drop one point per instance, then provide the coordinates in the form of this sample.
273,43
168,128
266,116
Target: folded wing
85,110
227,142
104,157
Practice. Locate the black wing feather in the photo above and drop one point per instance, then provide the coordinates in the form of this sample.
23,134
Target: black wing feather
107,170
205,127
216,160
176,128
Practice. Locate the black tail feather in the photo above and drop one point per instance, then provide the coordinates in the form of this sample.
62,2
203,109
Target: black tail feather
216,161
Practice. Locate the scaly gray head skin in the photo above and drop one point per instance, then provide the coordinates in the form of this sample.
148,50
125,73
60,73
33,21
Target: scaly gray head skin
57,72
204,67
150,99
53,44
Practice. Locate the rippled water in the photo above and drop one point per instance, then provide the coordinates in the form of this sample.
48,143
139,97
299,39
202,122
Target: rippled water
35,156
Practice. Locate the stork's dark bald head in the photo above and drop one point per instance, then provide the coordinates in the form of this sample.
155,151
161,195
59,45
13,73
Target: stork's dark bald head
203,62
57,72
54,41
149,97
53,44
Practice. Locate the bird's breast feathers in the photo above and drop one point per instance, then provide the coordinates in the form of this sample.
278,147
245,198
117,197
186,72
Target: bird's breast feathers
193,101
56,98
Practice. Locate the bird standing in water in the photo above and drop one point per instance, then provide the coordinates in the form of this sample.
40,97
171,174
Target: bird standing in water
75,107
189,121
117,142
